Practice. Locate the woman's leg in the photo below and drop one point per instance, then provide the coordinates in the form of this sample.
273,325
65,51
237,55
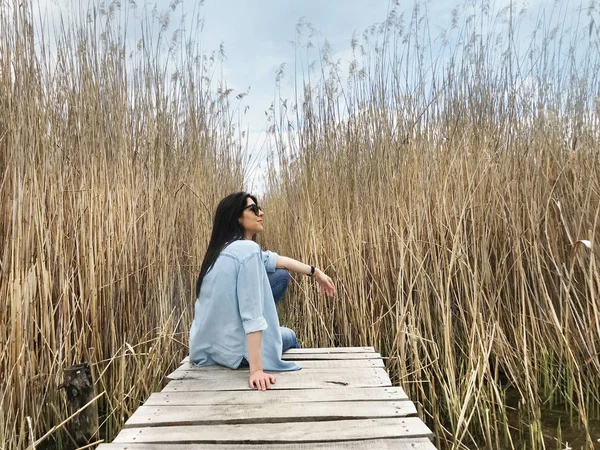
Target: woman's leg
288,339
279,281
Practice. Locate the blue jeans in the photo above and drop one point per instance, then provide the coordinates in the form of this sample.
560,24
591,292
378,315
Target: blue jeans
279,281
288,339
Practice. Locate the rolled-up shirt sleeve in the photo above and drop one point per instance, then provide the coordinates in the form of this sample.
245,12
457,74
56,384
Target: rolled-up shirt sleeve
250,293
270,260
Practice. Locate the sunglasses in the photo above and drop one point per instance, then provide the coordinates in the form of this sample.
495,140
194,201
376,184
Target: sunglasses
254,208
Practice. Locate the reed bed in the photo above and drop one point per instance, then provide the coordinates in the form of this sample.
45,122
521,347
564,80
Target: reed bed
452,189
113,155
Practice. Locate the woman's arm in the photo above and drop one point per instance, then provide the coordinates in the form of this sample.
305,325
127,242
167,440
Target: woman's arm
250,294
262,381
326,283
283,262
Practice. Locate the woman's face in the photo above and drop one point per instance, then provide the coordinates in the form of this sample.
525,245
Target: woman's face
251,223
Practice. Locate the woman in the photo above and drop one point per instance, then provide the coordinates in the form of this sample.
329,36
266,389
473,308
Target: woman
235,320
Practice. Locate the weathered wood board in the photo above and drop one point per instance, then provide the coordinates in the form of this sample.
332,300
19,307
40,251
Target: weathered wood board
294,351
285,380
341,399
370,444
201,374
262,433
305,356
252,397
151,416
305,364
309,355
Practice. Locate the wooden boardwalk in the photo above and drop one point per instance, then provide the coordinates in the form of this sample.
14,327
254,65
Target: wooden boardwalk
341,399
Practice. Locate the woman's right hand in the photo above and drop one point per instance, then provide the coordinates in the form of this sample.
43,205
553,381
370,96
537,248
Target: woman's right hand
262,381
325,282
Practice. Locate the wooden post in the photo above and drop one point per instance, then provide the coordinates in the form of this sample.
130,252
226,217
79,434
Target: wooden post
79,387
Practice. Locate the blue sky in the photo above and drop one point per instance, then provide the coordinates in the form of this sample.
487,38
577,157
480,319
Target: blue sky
257,36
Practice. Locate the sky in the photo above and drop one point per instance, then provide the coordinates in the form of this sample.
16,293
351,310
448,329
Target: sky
257,38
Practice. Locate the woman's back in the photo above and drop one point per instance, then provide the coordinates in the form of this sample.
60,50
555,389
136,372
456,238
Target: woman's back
235,299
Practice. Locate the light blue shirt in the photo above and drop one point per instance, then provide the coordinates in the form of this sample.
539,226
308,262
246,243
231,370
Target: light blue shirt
236,299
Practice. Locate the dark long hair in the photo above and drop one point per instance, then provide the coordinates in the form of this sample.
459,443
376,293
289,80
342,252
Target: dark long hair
226,229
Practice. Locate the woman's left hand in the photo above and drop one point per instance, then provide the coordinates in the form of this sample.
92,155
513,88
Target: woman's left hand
325,282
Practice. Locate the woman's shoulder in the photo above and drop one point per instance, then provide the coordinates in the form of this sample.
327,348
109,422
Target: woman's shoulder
242,248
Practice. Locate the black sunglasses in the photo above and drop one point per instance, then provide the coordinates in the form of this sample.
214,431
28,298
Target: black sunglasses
254,208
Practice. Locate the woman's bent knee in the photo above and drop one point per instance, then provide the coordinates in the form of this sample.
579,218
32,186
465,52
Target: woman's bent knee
288,339
279,281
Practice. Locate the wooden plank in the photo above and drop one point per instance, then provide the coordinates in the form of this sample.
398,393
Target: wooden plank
370,444
312,351
253,397
304,356
339,363
244,374
294,351
321,366
313,375
336,430
224,372
308,364
286,380
152,416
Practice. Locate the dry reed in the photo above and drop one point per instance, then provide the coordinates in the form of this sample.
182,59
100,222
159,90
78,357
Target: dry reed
112,158
456,203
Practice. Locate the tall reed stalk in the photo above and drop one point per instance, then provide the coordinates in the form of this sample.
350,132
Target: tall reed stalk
112,156
451,187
